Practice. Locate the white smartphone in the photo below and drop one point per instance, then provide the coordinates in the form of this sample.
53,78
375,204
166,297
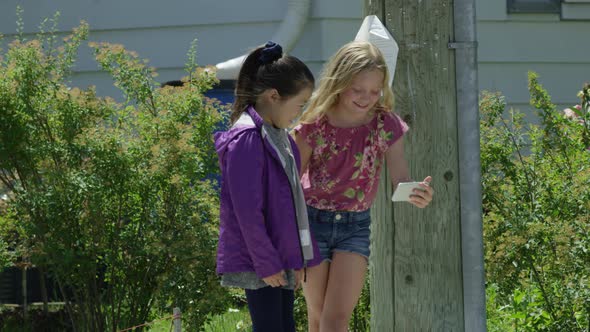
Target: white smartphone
404,190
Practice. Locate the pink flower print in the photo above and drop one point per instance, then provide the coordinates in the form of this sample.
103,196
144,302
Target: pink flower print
320,145
322,179
384,137
366,163
367,166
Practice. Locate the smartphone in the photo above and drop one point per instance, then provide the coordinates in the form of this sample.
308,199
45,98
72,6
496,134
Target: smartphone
404,190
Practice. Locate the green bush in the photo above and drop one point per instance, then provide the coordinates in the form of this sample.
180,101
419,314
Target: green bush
112,198
536,201
38,320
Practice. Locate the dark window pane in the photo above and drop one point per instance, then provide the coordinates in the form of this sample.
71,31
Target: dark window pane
534,6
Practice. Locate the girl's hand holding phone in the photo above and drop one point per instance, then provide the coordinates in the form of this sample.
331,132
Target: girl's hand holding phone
417,193
422,196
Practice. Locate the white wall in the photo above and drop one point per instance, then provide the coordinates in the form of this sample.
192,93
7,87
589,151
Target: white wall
509,44
161,31
552,45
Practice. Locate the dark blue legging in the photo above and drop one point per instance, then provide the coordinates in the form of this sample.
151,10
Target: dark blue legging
271,309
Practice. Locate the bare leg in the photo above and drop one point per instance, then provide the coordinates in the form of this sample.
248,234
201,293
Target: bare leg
345,283
314,290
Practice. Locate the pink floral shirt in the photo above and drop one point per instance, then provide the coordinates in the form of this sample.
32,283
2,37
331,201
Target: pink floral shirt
344,168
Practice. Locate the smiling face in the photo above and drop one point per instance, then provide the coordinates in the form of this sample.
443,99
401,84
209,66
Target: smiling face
362,94
286,110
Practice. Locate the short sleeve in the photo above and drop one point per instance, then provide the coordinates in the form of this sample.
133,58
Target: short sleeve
393,127
309,133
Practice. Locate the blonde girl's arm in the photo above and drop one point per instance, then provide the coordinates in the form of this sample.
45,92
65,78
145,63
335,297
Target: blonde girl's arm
305,150
396,163
399,172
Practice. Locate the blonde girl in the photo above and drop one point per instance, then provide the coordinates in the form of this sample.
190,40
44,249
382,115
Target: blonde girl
347,131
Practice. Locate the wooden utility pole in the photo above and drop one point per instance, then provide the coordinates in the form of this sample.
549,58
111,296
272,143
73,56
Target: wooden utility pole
416,264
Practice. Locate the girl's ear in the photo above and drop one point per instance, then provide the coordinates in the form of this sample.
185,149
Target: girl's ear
274,95
271,95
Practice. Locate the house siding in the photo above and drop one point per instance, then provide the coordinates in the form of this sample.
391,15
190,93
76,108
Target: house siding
162,32
510,45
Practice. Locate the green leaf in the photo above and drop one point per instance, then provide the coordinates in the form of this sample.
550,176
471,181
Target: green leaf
350,193
360,196
358,159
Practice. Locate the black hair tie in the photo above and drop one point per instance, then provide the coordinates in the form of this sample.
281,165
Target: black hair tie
270,53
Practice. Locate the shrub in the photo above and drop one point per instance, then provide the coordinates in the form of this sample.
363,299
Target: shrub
114,198
536,194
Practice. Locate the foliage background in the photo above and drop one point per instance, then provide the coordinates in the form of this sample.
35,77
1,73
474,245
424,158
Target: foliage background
115,202
536,186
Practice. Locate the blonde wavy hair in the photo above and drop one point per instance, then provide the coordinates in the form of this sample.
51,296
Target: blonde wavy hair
338,74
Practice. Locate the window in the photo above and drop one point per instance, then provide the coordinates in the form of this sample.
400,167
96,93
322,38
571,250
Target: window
534,6
223,91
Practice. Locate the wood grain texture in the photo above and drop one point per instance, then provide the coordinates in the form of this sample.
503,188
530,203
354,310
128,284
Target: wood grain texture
381,269
425,265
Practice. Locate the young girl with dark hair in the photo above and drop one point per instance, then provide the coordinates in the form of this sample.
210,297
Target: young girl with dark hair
265,243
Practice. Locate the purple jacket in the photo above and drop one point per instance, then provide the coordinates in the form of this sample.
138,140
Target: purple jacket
258,227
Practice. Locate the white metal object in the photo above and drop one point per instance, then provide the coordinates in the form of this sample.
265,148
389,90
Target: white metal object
373,31
286,35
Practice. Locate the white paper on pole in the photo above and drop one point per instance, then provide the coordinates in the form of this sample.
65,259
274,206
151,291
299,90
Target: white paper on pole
373,31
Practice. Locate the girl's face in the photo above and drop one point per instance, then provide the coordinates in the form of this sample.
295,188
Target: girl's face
288,109
363,92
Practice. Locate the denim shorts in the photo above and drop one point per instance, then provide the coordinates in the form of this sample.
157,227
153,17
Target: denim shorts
345,231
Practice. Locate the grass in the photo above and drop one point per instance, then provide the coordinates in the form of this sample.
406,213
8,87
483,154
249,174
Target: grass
232,320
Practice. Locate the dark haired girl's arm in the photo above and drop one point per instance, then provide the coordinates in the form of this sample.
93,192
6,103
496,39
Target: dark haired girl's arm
244,177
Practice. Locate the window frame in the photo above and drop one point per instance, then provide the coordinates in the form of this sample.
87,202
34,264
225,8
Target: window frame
533,6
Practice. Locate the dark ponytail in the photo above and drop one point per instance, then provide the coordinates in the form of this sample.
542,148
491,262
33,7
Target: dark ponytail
267,68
